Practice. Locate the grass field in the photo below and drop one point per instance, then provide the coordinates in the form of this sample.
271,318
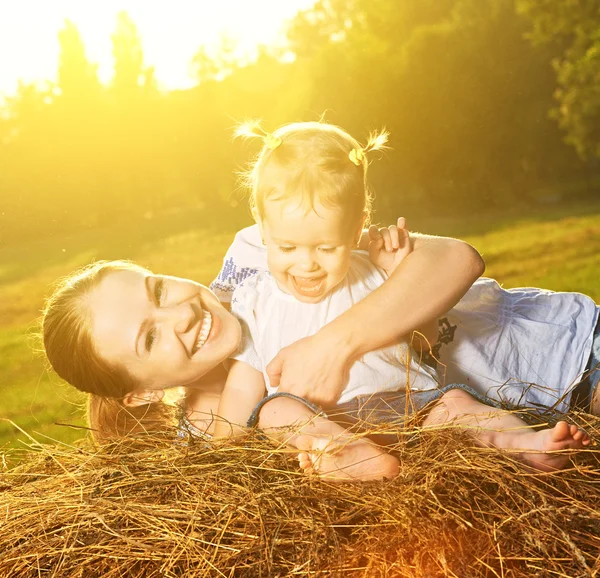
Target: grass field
556,248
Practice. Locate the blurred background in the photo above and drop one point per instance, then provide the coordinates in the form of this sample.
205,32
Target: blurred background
116,121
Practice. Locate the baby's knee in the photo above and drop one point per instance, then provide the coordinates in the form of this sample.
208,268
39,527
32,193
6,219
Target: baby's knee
450,405
456,397
283,411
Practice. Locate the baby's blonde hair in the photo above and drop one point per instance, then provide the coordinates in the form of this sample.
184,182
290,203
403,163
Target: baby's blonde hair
312,161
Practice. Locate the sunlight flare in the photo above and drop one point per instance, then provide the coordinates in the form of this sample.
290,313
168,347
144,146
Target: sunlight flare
171,34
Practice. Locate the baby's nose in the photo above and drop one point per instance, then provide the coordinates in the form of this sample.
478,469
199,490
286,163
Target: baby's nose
308,262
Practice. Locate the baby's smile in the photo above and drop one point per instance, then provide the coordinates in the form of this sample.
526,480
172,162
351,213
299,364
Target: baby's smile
309,286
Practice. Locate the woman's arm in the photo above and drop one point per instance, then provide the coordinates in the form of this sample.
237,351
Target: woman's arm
424,286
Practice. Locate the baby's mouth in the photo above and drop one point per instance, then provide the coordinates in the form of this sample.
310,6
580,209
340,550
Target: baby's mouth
307,286
204,332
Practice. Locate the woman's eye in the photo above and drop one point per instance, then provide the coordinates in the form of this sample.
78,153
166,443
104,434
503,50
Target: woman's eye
159,290
286,249
150,338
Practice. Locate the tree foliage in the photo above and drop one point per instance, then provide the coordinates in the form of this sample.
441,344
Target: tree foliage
462,89
574,27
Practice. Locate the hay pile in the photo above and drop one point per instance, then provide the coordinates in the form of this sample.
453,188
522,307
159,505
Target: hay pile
153,508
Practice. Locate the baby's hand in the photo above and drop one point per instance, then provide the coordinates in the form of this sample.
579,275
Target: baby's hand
388,246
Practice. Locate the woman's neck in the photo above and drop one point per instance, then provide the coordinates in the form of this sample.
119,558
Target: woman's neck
201,401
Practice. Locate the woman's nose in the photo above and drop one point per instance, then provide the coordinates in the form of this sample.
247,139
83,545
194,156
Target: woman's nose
182,316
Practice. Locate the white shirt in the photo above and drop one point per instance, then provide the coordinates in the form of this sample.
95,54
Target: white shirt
272,319
497,341
245,257
526,346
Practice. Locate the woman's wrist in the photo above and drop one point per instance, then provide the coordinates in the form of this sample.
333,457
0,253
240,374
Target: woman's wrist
341,339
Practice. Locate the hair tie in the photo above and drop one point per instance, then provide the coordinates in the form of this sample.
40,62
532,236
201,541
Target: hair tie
271,141
357,156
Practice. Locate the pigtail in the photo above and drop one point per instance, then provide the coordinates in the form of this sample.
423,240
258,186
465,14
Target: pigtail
252,129
376,142
249,129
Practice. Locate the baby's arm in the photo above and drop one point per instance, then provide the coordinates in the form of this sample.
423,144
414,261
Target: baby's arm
244,388
325,447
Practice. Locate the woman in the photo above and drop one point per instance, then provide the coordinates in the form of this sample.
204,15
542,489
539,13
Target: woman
126,335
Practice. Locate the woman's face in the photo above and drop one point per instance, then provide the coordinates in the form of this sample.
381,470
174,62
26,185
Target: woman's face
166,331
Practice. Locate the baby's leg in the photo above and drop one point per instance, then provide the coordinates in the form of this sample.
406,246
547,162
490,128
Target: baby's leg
326,448
504,430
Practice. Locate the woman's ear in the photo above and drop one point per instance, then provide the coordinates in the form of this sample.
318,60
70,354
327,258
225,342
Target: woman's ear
143,397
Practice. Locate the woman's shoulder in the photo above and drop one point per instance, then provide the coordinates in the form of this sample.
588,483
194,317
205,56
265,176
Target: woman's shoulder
254,292
245,257
249,236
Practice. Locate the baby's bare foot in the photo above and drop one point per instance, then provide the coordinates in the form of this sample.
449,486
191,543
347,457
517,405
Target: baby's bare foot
345,460
563,436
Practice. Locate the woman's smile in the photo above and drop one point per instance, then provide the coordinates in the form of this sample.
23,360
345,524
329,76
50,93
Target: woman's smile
203,331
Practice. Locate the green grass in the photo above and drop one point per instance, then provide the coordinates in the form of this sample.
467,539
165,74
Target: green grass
545,250
33,397
561,254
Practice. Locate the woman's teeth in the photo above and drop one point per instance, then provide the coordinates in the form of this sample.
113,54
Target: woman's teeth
204,331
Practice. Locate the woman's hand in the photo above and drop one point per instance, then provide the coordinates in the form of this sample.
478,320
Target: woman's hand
388,246
315,368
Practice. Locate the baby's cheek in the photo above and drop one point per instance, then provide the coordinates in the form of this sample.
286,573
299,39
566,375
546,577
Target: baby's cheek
343,265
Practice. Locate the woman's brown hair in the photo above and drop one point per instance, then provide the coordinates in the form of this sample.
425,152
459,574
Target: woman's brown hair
70,350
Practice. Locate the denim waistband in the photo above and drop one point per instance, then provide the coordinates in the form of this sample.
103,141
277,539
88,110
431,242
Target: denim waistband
253,419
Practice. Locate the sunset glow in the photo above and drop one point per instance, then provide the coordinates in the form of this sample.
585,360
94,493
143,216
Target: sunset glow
171,32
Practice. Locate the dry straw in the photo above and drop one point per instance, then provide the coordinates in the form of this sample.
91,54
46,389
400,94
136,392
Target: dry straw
154,508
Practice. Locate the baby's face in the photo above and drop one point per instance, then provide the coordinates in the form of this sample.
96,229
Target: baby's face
308,252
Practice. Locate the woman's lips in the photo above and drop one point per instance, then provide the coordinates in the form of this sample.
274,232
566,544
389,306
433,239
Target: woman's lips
214,330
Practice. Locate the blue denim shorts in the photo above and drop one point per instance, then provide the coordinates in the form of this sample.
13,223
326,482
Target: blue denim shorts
253,419
384,408
583,393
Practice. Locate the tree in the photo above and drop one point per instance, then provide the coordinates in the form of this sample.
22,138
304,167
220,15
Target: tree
574,28
463,94
130,76
77,77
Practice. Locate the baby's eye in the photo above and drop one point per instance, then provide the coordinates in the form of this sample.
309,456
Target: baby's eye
327,249
159,290
286,249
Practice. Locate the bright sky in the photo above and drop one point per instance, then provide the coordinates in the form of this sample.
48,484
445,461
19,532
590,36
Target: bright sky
172,31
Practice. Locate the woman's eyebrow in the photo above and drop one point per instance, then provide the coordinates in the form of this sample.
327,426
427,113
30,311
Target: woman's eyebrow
145,323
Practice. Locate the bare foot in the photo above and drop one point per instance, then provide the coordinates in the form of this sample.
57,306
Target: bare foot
345,460
535,445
